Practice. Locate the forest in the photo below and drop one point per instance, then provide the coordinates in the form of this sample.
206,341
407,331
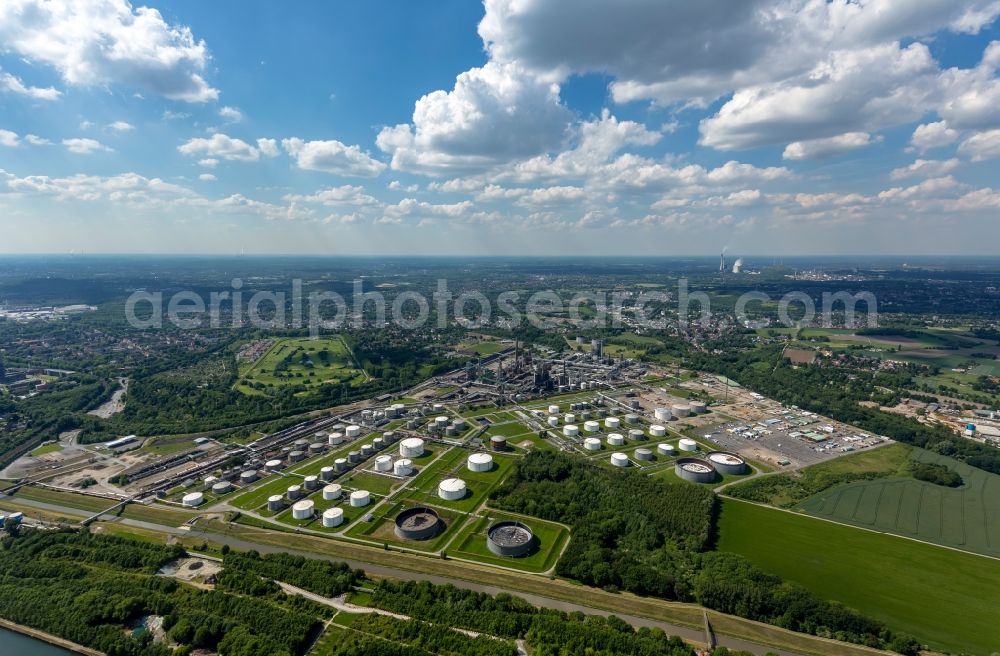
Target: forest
638,534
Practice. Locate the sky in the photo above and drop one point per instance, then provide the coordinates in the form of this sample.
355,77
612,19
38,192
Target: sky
512,127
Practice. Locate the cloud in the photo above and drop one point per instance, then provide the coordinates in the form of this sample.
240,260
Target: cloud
9,139
207,177
83,146
932,135
494,114
208,162
121,126
332,157
169,115
335,196
819,148
98,42
14,85
926,168
981,146
231,114
268,147
221,146
35,140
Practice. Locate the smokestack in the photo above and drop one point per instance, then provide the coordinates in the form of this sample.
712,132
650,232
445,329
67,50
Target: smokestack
722,262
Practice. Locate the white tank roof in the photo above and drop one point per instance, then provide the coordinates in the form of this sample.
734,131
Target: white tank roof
452,485
480,458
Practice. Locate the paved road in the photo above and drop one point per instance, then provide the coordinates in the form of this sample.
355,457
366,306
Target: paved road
684,632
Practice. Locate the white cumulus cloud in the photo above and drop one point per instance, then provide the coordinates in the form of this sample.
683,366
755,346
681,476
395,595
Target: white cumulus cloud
332,156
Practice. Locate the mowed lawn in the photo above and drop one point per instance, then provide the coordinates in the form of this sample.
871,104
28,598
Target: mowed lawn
947,599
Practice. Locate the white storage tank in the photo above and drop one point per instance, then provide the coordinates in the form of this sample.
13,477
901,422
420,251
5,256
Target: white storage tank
569,418
616,439
619,459
657,430
367,450
294,492
553,420
326,473
331,492
687,445
571,430
333,517
451,489
698,407
383,464
340,465
411,447
352,431
193,499
335,438
681,410
360,498
310,482
666,449
591,426
643,454
592,444
303,509
273,465
275,503
662,414
222,487
480,462
403,467
553,409
612,422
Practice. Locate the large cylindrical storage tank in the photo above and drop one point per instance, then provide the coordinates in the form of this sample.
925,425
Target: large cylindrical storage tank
452,489
571,430
326,473
333,517
553,409
303,509
300,444
498,443
193,499
612,423
320,436
592,444
657,430
378,443
417,523
480,462
636,434
222,487
354,457
686,444
367,450
553,420
619,459
632,419
411,447
383,464
510,539
332,492
698,407
727,463
643,454
316,447
681,410
441,421
273,465
275,502
352,431
340,465
335,438
402,467
388,437
248,477
569,418
666,449
591,426
360,498
459,424
662,414
296,456
616,439
310,482
294,492
695,470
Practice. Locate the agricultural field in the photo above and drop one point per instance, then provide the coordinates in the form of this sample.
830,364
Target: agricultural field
550,539
967,517
481,349
301,361
945,598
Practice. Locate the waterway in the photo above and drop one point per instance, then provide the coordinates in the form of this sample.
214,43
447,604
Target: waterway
17,644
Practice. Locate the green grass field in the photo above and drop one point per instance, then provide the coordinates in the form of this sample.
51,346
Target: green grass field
46,448
301,361
479,484
965,518
945,598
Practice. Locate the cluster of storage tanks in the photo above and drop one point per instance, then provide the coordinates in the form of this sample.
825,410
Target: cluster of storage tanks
447,426
707,469
680,410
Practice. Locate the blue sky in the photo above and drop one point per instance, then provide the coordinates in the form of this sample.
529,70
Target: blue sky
509,127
